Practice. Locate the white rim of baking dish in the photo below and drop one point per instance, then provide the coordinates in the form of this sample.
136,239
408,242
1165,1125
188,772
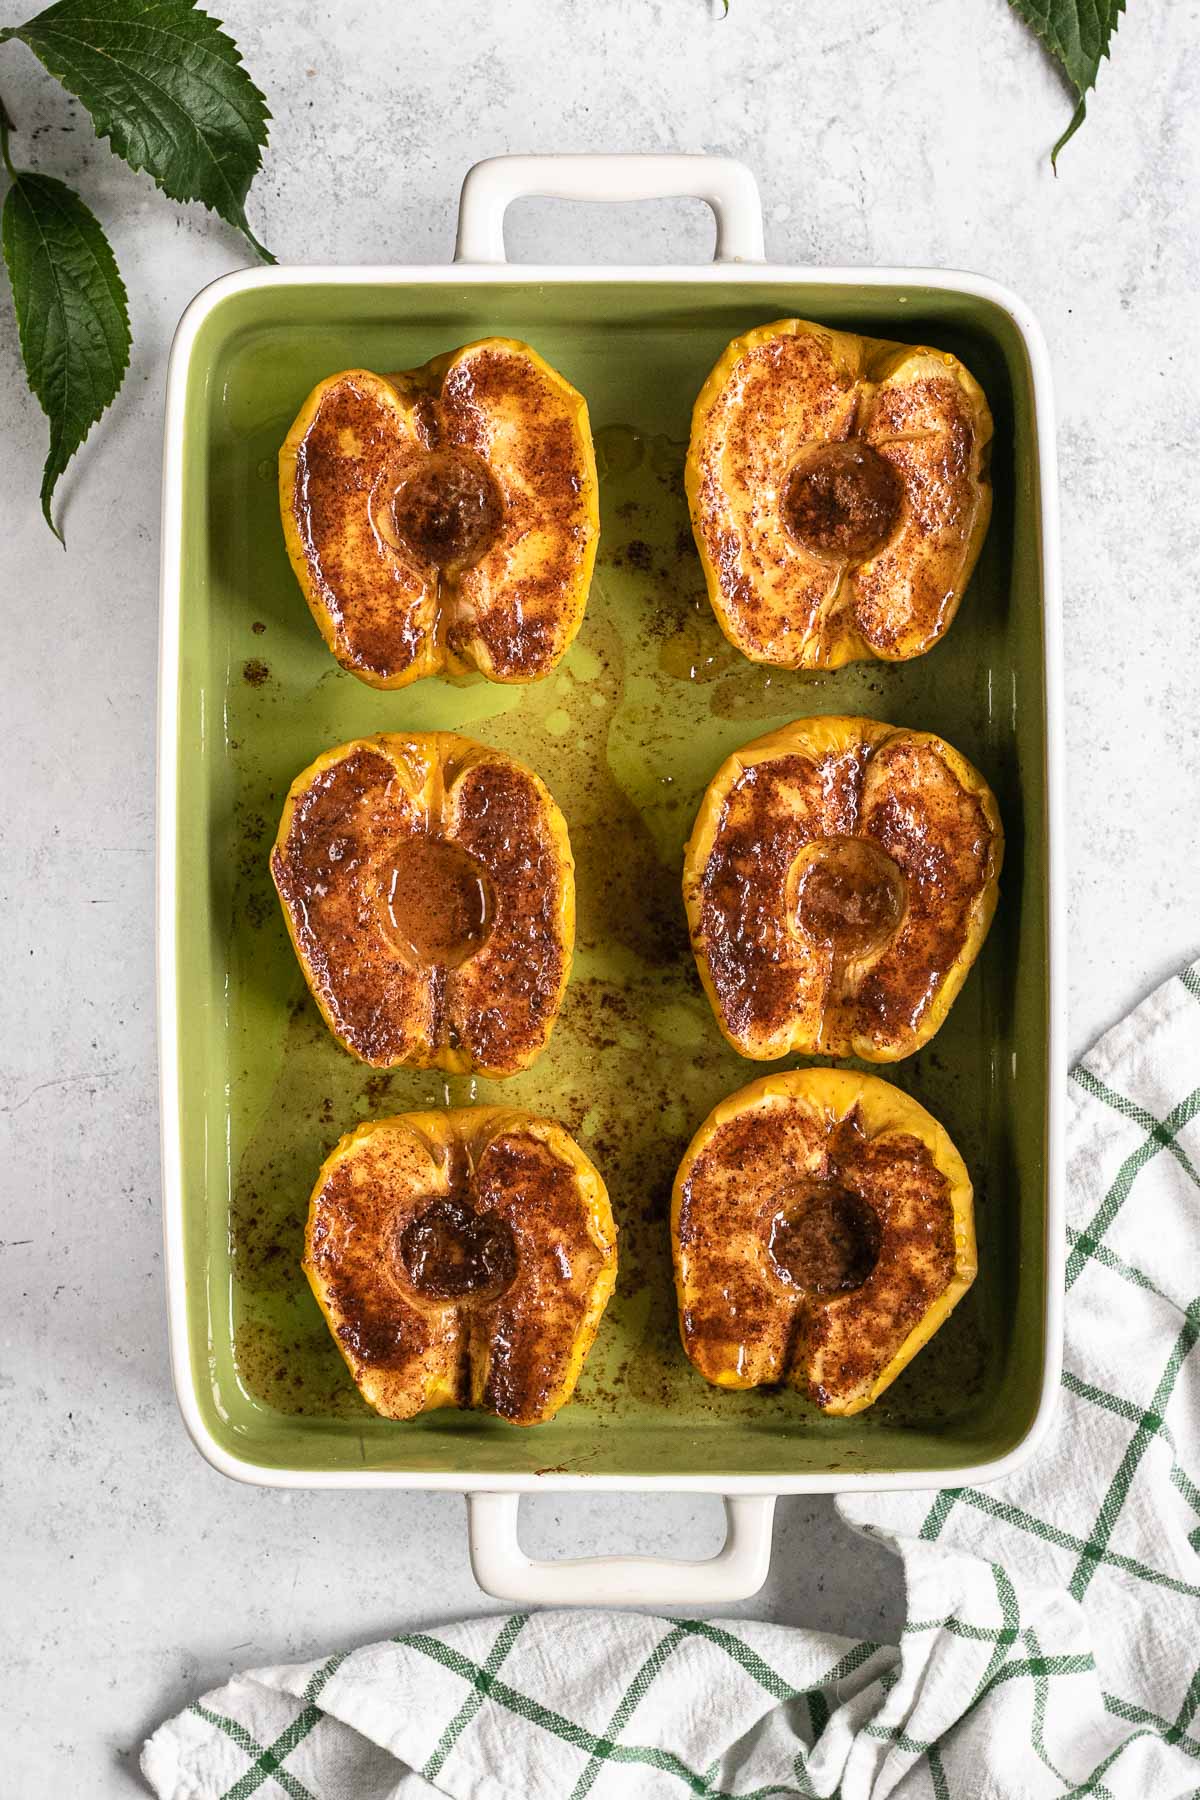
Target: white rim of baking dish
729,188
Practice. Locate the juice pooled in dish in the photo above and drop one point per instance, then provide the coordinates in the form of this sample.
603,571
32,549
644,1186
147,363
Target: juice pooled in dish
839,494
462,1258
429,889
840,879
823,1229
444,519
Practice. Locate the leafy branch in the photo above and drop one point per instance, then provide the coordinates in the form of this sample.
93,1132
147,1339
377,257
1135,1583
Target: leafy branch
166,88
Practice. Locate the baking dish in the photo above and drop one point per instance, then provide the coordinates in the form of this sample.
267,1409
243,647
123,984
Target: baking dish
648,703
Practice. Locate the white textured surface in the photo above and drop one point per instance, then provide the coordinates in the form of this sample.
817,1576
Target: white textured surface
132,1575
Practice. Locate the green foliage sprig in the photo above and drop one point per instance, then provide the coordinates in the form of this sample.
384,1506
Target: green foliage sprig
1077,33
166,87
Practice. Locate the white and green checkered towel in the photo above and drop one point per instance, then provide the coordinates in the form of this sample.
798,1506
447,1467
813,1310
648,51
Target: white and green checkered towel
1053,1637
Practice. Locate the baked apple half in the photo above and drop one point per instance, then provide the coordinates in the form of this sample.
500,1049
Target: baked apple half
444,519
462,1258
839,494
839,881
823,1228
429,890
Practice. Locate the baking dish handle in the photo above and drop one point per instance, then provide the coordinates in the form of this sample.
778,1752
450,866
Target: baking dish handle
503,1570
727,185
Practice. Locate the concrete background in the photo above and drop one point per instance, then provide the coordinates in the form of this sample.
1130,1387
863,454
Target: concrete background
133,1576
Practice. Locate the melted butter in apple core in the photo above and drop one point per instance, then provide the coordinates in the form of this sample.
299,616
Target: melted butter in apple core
451,1252
436,901
448,509
850,895
823,1239
842,501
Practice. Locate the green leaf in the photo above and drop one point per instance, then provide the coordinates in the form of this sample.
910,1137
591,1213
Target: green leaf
71,313
166,87
1078,34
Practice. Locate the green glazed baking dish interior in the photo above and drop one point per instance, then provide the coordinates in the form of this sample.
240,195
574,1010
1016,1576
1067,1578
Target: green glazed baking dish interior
626,734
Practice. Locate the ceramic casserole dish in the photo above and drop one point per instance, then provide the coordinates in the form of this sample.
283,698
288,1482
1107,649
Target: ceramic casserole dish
648,702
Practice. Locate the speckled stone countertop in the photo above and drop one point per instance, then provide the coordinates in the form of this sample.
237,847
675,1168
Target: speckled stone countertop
132,1574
